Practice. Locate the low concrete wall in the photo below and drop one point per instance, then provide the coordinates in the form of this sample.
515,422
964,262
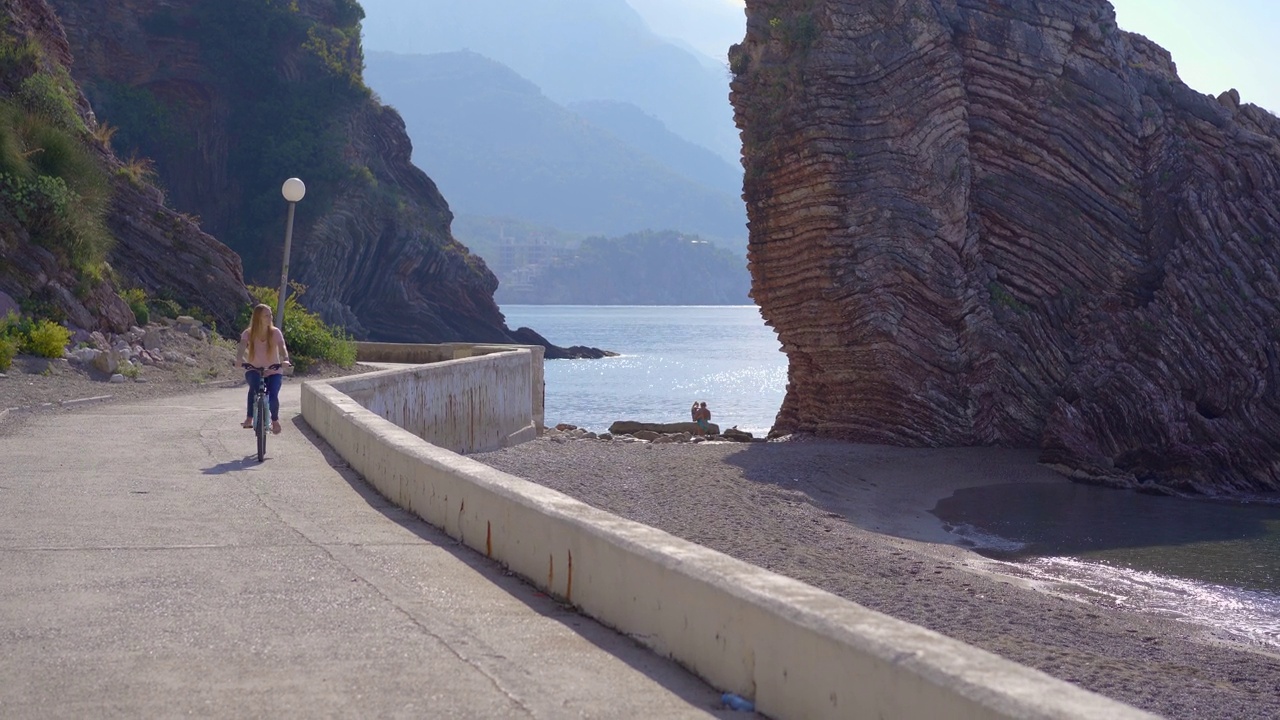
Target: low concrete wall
412,354
799,652
469,405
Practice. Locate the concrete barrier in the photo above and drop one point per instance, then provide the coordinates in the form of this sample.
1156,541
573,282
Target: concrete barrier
496,406
797,651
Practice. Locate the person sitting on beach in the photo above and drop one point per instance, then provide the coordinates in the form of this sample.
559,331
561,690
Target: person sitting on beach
693,411
703,417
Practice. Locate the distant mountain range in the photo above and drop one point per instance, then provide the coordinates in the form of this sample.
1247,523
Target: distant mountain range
574,50
497,146
650,268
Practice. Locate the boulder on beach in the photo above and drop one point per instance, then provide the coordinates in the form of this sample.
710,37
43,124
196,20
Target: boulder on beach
631,427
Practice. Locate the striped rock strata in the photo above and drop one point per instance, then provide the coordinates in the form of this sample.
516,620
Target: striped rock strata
1006,222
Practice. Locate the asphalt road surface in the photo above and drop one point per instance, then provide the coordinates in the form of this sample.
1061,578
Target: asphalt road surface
151,567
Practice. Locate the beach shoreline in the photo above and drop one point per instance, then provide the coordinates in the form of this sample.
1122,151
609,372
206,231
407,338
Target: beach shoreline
855,520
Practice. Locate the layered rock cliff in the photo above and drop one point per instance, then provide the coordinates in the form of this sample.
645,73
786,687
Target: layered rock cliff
143,243
232,98
1006,222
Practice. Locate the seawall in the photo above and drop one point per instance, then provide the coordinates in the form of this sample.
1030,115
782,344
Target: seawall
797,651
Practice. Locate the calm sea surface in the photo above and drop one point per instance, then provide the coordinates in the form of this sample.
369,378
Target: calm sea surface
1216,565
670,356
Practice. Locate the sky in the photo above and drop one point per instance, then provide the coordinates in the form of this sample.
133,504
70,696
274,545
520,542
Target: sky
1217,44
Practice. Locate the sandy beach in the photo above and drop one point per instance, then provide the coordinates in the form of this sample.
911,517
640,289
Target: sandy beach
854,520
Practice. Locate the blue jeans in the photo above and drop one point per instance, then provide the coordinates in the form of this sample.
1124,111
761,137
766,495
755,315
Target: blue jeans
273,393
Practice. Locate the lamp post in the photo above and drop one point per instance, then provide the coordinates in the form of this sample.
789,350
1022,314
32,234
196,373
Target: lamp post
293,192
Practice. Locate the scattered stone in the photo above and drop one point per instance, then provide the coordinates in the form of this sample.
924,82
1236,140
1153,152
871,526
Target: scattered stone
649,435
566,426
737,435
155,337
106,361
605,436
80,337
140,379
117,379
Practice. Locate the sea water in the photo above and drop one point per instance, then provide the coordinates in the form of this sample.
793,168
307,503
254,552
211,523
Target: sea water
669,357
1213,564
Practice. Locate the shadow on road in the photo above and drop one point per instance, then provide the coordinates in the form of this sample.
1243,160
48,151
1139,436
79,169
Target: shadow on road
231,466
639,657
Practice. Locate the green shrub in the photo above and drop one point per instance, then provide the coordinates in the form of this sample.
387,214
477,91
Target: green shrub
308,337
137,300
54,186
8,348
49,94
15,327
165,307
47,339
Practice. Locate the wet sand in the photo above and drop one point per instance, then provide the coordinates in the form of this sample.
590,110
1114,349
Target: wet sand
854,520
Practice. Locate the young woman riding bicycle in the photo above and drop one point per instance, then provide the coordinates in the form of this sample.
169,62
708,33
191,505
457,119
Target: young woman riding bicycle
265,346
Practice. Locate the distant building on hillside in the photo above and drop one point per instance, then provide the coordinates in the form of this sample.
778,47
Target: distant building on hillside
533,250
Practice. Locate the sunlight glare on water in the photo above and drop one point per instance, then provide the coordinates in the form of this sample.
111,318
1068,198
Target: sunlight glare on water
670,357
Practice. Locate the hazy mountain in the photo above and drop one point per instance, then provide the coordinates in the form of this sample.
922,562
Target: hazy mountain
650,268
649,134
497,146
711,26
574,50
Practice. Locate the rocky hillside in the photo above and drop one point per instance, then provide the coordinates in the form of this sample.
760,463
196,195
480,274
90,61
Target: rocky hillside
1010,223
77,224
230,99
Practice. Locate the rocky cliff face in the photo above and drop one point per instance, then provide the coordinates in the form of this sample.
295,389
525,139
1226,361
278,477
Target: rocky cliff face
231,99
1008,222
154,248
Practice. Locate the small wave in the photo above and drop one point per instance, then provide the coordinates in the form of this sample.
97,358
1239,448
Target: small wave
977,539
1247,616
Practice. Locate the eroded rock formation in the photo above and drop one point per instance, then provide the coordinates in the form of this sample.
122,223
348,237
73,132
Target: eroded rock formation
1005,222
211,88
155,248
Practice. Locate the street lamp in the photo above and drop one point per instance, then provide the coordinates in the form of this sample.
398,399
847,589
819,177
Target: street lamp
293,192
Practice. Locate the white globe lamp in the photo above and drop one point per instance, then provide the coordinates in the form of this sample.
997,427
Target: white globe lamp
293,190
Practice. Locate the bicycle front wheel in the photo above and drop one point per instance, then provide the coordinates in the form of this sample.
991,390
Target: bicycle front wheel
260,424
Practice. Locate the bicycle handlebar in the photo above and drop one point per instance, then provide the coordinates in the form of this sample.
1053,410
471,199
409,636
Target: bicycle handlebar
247,366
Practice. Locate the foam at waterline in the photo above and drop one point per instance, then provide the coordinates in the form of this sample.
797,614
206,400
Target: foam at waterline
1245,616
976,539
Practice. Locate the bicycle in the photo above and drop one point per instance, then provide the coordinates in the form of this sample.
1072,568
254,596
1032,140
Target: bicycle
261,414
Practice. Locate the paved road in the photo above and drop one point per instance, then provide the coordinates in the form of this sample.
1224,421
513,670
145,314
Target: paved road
149,567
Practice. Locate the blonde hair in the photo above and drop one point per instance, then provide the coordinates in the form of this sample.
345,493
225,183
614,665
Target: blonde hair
260,327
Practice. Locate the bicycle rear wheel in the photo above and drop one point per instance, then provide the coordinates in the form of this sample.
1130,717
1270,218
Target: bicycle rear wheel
261,426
